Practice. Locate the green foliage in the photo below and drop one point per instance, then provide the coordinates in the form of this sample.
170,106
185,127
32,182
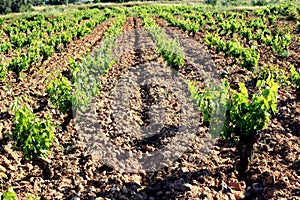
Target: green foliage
189,23
19,64
85,76
169,49
244,116
60,91
249,56
295,76
280,43
7,6
271,71
260,2
249,116
211,2
41,36
19,40
33,135
10,194
74,68
210,98
3,71
5,47
46,50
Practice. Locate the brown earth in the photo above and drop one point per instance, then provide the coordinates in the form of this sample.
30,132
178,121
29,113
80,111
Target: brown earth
71,172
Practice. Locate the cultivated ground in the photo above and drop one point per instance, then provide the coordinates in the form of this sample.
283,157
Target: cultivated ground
71,172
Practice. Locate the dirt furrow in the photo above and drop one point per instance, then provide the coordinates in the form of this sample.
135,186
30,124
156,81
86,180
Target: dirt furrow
269,173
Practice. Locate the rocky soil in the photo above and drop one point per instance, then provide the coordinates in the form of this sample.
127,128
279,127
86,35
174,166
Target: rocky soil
72,171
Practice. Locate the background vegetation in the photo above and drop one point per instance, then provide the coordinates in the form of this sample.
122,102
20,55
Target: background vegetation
9,6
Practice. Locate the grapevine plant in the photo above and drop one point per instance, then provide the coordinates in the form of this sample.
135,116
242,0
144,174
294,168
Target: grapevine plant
247,116
3,70
84,78
212,102
169,49
33,135
244,116
60,92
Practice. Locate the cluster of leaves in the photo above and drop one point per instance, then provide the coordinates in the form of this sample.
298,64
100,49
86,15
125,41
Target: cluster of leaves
169,49
249,56
244,116
295,76
19,63
185,24
231,26
3,70
247,116
10,194
232,23
288,10
280,44
60,91
212,102
5,47
32,134
265,72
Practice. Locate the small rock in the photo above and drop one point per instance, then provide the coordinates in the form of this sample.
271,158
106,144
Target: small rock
289,135
124,189
286,180
150,148
223,185
269,193
122,197
257,187
2,169
141,171
269,181
75,198
113,189
159,193
188,185
139,197
80,188
185,169
28,166
231,196
93,189
220,195
239,195
237,185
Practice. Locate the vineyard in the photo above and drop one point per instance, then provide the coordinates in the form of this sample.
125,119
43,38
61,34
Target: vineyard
241,70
